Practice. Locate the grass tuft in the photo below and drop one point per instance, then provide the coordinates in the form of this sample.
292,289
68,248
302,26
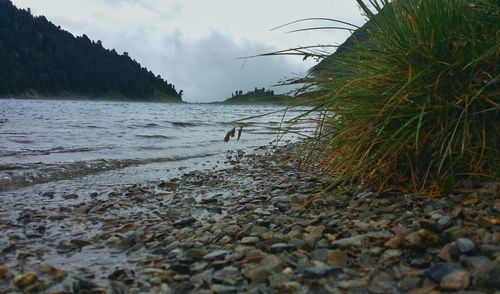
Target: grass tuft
416,104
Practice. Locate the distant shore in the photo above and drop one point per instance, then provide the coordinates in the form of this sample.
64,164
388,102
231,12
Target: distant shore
244,228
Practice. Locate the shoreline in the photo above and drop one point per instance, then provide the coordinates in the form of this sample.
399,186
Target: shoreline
242,229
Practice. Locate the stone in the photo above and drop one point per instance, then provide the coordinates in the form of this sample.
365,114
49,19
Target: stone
355,241
490,250
475,262
180,268
488,278
462,246
23,281
350,284
223,289
382,283
282,247
312,235
277,280
394,242
217,255
456,280
229,275
258,231
271,262
445,254
320,270
392,253
195,254
4,271
409,283
439,270
128,242
70,196
488,189
413,240
427,235
320,254
185,221
338,258
249,240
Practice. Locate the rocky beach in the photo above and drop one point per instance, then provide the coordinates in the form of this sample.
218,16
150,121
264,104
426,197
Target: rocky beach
244,229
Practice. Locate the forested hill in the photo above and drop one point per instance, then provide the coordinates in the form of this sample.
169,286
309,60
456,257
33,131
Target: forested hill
38,58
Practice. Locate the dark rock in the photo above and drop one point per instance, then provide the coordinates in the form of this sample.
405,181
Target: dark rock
409,283
490,250
475,262
184,221
436,226
70,196
382,283
124,275
12,247
439,270
49,194
80,242
489,278
128,242
489,189
208,200
181,268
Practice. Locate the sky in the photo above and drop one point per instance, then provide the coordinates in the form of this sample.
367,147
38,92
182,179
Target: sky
196,44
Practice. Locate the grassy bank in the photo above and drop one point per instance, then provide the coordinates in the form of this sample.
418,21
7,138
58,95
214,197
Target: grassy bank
416,104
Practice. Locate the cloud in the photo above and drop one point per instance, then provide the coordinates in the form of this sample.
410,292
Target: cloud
208,69
194,44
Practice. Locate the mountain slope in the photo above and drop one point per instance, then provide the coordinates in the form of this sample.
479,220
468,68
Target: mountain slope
38,58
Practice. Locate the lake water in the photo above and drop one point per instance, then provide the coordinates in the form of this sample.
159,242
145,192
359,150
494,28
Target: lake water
85,146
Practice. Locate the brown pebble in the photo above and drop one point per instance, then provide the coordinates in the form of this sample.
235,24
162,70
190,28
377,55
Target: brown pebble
456,280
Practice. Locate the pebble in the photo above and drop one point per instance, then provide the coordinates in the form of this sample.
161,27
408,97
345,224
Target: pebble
233,231
351,284
282,247
223,289
439,270
217,255
462,246
70,196
23,281
319,270
456,280
185,221
355,241
249,240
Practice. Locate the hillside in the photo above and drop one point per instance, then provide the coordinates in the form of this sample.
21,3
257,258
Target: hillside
39,59
258,96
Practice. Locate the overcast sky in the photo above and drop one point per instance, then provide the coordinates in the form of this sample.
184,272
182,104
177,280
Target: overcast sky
194,44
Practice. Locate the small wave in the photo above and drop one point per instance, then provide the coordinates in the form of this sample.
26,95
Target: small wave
22,141
33,174
145,126
154,148
26,152
184,124
154,137
94,127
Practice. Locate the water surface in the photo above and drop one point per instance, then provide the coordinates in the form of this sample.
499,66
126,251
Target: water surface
85,146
